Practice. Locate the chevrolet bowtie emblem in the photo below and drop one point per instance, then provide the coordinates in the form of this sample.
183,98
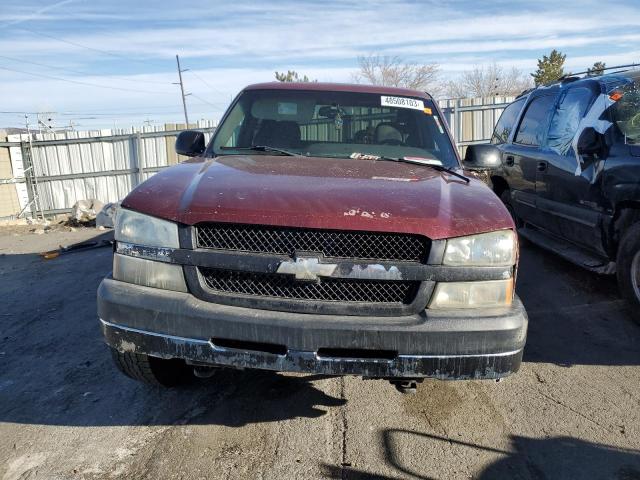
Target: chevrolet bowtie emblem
307,268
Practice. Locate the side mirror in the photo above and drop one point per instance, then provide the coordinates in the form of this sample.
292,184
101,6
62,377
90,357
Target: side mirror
190,143
482,157
590,142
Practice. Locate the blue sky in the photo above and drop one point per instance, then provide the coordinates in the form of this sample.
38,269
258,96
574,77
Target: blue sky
113,62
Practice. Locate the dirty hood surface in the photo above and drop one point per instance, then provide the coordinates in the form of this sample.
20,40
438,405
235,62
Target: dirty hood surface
343,194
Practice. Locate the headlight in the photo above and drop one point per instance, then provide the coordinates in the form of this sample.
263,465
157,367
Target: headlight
494,293
140,229
485,250
144,246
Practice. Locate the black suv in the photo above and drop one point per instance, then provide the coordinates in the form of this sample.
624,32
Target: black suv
565,159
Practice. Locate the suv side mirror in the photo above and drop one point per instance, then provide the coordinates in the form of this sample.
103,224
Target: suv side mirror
482,157
190,143
590,142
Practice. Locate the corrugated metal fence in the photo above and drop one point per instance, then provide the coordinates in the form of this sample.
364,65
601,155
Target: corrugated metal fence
471,120
53,171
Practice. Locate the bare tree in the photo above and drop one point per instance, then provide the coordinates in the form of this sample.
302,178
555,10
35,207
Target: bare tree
488,81
395,72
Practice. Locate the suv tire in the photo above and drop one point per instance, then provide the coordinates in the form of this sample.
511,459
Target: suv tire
628,269
151,370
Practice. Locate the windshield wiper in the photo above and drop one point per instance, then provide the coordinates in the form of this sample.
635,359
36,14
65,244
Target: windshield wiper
265,148
435,164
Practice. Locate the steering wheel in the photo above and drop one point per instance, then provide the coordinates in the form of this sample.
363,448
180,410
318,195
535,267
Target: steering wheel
635,120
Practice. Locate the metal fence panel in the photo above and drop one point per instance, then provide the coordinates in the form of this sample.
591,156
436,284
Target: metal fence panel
103,164
471,120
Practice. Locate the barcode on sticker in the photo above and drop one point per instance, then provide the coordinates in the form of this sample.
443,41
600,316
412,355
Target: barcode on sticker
401,102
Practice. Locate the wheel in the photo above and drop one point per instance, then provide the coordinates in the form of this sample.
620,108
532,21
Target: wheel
628,268
151,370
505,196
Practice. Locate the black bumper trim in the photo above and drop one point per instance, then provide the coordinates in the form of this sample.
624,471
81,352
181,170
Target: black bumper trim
192,260
345,268
444,367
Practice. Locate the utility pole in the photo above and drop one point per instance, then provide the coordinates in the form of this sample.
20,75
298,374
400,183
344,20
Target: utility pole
184,95
45,119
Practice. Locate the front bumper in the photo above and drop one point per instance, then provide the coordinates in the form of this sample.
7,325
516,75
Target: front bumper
447,345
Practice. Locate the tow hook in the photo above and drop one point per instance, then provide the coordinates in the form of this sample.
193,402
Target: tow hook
406,385
204,372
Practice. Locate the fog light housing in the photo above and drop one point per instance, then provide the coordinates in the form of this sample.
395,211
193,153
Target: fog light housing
148,273
478,294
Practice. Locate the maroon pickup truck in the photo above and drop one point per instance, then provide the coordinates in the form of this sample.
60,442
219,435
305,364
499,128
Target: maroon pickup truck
325,228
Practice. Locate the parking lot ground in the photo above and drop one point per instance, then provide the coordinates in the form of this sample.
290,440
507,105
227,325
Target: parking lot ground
572,412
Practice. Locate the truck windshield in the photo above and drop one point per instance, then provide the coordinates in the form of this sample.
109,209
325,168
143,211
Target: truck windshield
626,112
334,124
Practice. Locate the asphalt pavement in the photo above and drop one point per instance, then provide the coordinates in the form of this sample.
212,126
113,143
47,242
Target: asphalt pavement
572,412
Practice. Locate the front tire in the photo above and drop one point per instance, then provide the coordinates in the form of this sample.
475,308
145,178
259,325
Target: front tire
628,269
151,370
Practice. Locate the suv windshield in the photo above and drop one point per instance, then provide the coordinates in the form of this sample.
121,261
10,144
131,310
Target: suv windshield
334,124
626,112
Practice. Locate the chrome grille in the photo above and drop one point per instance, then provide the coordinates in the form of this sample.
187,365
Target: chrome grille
330,243
327,289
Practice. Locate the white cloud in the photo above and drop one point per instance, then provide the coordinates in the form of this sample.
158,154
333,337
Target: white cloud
525,44
247,41
35,15
95,104
341,31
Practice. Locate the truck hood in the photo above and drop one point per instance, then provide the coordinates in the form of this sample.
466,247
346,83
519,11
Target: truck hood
343,194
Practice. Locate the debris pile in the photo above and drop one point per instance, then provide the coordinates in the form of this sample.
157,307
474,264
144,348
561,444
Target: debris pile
107,216
85,211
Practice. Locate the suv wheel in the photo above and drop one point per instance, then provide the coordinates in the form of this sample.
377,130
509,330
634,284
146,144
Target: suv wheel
151,370
628,267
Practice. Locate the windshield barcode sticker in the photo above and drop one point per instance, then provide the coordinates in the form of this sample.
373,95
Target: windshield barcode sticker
402,102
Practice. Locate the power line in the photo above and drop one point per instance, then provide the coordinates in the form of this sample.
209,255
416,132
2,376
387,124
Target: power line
102,113
219,105
79,45
79,71
78,82
134,110
161,107
206,83
116,114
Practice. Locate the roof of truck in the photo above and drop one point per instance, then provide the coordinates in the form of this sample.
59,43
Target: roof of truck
338,87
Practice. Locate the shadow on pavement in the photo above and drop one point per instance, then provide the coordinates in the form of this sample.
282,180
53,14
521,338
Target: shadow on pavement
576,317
55,368
556,458
331,471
